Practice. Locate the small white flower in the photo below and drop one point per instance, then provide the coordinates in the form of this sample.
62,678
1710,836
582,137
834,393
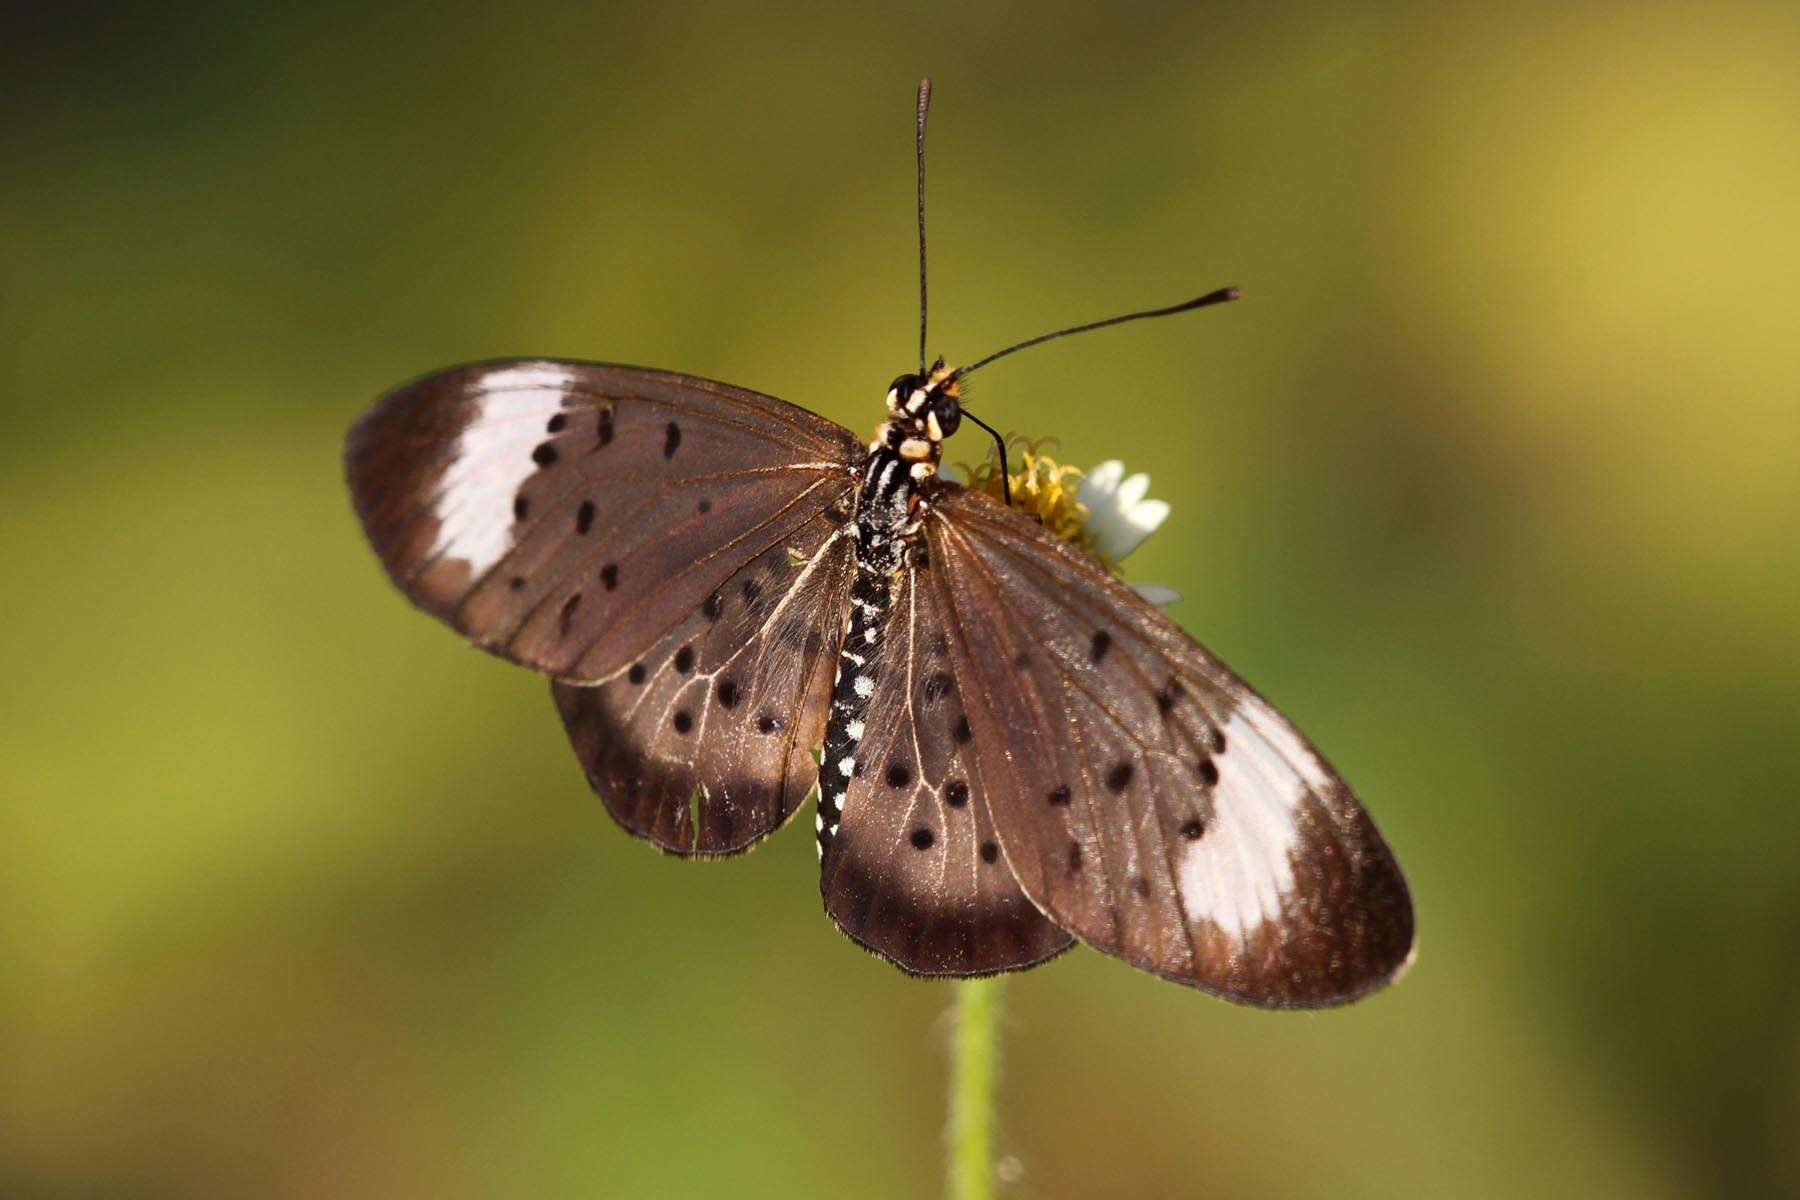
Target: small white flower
1103,513
1119,517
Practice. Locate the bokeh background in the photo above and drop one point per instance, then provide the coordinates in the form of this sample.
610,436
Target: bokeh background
1490,482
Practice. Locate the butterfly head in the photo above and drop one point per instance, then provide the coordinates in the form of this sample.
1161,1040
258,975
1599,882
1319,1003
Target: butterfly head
926,409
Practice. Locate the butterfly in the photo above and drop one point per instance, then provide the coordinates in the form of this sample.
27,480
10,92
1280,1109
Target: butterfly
740,603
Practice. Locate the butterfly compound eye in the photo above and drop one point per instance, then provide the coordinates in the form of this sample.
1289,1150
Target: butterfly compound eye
899,390
947,411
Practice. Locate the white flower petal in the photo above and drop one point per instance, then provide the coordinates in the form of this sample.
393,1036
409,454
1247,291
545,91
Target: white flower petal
1098,485
1113,539
1156,593
1149,515
1125,530
1120,541
1132,491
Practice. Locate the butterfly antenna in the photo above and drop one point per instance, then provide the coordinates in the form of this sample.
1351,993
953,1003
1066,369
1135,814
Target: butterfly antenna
919,144
1000,445
1216,297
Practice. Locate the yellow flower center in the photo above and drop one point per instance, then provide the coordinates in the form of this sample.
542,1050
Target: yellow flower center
1042,489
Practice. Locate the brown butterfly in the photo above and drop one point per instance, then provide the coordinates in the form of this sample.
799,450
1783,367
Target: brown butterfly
1017,749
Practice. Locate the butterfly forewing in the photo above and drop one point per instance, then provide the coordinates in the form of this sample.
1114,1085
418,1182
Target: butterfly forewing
682,546
914,871
568,515
704,743
1147,799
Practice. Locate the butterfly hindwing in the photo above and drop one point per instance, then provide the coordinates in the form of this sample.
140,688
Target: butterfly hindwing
914,871
1148,800
704,744
567,515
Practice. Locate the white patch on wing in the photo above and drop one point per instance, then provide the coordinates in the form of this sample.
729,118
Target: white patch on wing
493,457
529,377
1237,873
1281,738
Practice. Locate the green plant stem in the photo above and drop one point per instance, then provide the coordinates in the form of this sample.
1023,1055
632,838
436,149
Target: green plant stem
974,1072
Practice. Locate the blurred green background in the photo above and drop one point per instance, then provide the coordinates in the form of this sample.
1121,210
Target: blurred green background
1490,482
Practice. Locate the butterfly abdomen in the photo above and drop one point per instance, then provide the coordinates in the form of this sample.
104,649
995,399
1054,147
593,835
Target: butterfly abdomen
883,518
